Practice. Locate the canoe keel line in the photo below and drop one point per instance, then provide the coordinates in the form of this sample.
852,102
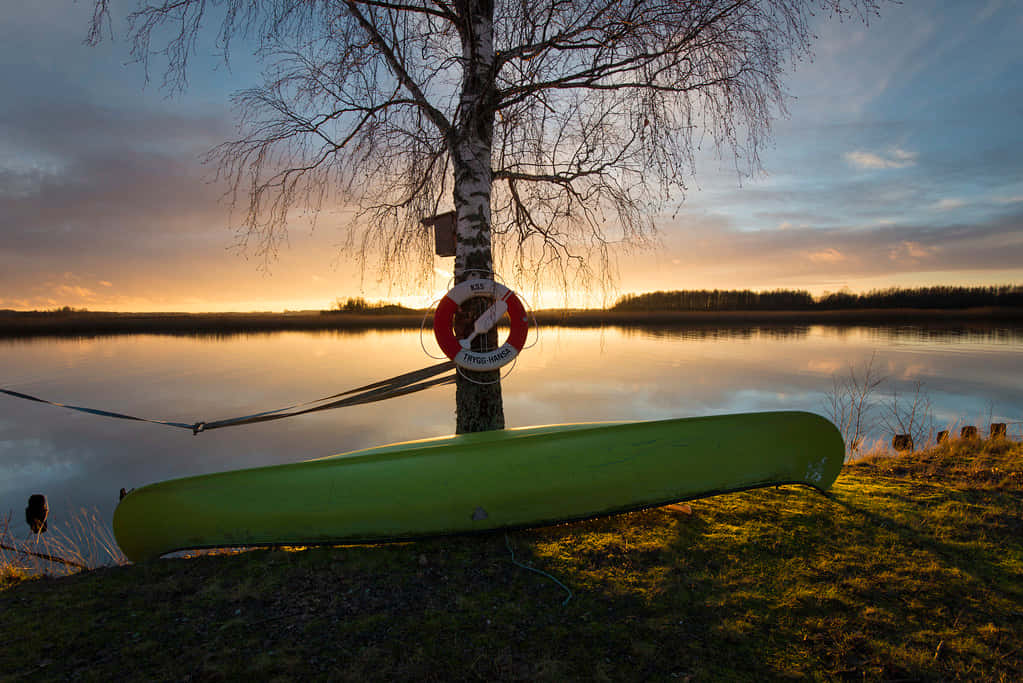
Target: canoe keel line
480,482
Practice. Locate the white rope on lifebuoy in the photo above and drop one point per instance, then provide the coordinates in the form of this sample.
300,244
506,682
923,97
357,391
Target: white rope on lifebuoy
459,350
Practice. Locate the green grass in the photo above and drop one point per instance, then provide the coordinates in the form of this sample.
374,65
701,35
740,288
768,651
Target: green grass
911,569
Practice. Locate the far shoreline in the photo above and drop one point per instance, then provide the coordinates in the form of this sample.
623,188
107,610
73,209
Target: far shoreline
21,324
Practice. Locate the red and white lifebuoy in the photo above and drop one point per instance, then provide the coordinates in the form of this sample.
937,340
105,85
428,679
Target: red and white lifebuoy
459,350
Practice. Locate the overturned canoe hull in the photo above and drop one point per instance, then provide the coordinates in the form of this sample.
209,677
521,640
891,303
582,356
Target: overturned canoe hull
477,482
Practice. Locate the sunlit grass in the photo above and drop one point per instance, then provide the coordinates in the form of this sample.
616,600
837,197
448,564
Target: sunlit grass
911,568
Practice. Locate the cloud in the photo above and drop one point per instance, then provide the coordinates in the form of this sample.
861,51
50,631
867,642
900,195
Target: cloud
826,256
102,177
716,253
75,291
910,253
118,195
948,204
114,179
894,158
987,11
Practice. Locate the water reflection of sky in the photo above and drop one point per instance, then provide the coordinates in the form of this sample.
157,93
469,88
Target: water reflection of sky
572,375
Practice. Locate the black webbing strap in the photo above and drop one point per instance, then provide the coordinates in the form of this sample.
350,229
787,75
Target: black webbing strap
401,385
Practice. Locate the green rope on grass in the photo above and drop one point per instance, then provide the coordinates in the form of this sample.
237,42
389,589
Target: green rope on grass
507,544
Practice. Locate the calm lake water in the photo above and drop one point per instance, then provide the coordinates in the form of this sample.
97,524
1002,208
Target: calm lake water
572,375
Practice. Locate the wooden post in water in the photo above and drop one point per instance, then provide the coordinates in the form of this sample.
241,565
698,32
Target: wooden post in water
997,430
36,513
902,442
968,432
942,436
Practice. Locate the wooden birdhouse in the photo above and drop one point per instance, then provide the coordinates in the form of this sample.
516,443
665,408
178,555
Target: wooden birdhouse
443,232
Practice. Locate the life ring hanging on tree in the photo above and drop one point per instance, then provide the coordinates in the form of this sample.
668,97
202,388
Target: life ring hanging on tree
460,350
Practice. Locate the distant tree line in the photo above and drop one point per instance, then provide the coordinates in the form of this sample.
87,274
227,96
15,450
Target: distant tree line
62,310
927,297
716,300
800,300
360,305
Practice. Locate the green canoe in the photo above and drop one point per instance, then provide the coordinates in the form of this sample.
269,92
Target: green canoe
477,482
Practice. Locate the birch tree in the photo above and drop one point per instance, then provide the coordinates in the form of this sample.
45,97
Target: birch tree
556,129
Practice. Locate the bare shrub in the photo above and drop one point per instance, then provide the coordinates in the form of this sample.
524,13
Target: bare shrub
851,403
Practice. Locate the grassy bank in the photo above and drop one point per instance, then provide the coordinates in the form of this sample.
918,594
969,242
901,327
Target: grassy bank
911,569
90,323
15,324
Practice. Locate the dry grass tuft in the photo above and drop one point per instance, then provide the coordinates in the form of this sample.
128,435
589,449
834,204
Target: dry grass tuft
83,542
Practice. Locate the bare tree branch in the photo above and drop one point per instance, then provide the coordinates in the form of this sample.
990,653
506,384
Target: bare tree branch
586,113
597,107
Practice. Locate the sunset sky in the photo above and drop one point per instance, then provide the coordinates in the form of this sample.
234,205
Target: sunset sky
900,163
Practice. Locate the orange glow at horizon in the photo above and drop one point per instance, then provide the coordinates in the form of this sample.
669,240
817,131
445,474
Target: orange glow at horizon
240,287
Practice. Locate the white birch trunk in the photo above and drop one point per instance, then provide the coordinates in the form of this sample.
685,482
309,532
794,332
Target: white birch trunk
478,400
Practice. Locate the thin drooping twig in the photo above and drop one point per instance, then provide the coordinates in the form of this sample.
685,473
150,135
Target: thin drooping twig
45,556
